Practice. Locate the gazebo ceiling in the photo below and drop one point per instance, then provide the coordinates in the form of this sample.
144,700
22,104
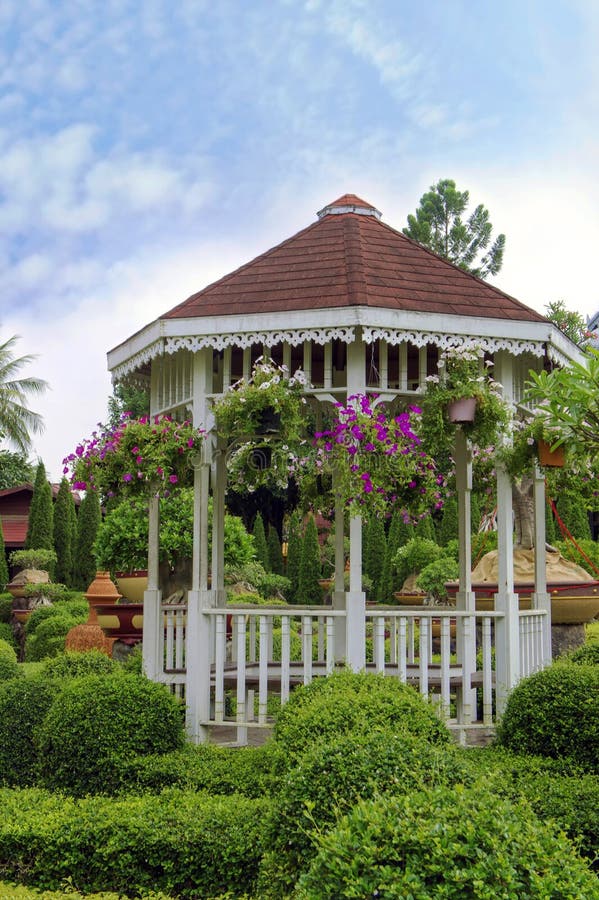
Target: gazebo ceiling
346,271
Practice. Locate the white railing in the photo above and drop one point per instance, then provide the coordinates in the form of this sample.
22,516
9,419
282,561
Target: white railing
259,654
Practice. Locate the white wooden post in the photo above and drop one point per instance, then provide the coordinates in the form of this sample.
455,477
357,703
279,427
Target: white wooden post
465,625
340,651
541,599
355,598
507,637
198,644
151,642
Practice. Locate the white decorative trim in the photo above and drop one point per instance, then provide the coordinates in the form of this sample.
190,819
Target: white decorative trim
556,356
334,210
267,338
395,336
138,360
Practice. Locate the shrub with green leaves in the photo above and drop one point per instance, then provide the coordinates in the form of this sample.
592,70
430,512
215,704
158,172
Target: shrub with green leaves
7,634
330,778
587,655
350,702
73,664
5,607
24,703
446,842
99,720
555,712
9,667
46,638
180,842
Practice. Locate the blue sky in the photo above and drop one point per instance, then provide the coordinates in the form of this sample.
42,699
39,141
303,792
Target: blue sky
148,148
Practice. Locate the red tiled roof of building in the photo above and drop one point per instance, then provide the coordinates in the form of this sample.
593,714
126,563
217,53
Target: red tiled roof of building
350,258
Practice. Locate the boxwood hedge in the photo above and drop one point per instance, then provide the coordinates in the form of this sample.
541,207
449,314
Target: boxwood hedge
24,703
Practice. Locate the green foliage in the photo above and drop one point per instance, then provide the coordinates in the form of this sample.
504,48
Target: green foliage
590,551
19,892
99,720
433,577
40,530
388,582
331,777
17,421
48,590
5,606
448,526
76,608
38,558
375,559
47,628
260,544
9,667
573,513
4,576
587,655
73,664
438,225
308,589
88,523
555,712
446,842
7,634
181,842
345,702
14,470
412,557
126,398
275,556
64,533
23,704
570,322
294,554
249,771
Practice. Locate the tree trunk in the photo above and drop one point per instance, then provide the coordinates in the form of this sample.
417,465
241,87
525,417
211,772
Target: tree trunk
524,513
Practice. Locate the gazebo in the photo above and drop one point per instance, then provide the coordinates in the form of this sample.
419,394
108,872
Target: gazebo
359,307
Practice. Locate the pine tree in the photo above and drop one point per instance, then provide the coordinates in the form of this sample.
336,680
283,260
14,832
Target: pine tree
40,531
64,533
448,527
387,586
377,544
275,555
309,590
572,510
425,528
87,528
475,512
4,577
260,545
294,553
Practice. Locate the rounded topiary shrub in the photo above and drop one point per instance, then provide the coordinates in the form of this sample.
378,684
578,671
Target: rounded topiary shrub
97,721
24,703
348,702
9,667
446,842
73,664
587,655
555,713
7,634
330,778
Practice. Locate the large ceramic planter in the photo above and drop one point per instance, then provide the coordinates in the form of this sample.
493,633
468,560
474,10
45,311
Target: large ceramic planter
132,585
17,587
122,621
101,591
571,604
404,599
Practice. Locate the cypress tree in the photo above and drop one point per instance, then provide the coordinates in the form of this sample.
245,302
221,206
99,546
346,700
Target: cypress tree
275,555
475,513
377,544
40,531
64,535
424,528
294,553
87,528
4,577
572,510
387,585
448,527
309,590
260,545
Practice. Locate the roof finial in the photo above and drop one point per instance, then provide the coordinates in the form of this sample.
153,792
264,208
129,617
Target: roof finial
349,203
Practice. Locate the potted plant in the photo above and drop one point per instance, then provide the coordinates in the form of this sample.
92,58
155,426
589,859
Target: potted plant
261,419
463,376
34,568
433,579
531,440
152,454
378,460
409,561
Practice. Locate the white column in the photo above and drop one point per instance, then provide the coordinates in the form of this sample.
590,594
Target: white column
340,653
199,626
151,643
355,598
507,641
219,481
465,626
541,599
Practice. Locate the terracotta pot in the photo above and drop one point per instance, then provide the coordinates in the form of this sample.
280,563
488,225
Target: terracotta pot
549,457
21,615
132,585
462,411
101,591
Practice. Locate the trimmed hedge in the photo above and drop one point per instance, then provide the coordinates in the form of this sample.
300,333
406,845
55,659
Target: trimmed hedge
587,655
47,628
555,712
351,702
250,771
6,601
7,634
181,842
24,703
9,667
98,721
75,664
330,778
446,842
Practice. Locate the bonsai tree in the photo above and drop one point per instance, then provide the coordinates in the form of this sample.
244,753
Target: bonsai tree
40,559
414,556
433,578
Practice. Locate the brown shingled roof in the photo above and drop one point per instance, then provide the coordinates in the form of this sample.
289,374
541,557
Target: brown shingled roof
346,259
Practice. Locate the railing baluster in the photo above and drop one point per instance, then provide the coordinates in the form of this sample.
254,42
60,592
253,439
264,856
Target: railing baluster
307,648
285,657
424,654
445,659
487,672
241,678
265,633
379,643
219,668
330,645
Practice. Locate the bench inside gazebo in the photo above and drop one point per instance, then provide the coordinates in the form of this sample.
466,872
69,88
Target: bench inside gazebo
359,308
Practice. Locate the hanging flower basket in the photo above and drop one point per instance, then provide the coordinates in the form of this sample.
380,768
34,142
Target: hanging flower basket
462,411
549,457
268,421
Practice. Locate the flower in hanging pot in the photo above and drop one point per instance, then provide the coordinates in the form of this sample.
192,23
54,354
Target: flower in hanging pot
378,460
463,379
138,456
531,441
